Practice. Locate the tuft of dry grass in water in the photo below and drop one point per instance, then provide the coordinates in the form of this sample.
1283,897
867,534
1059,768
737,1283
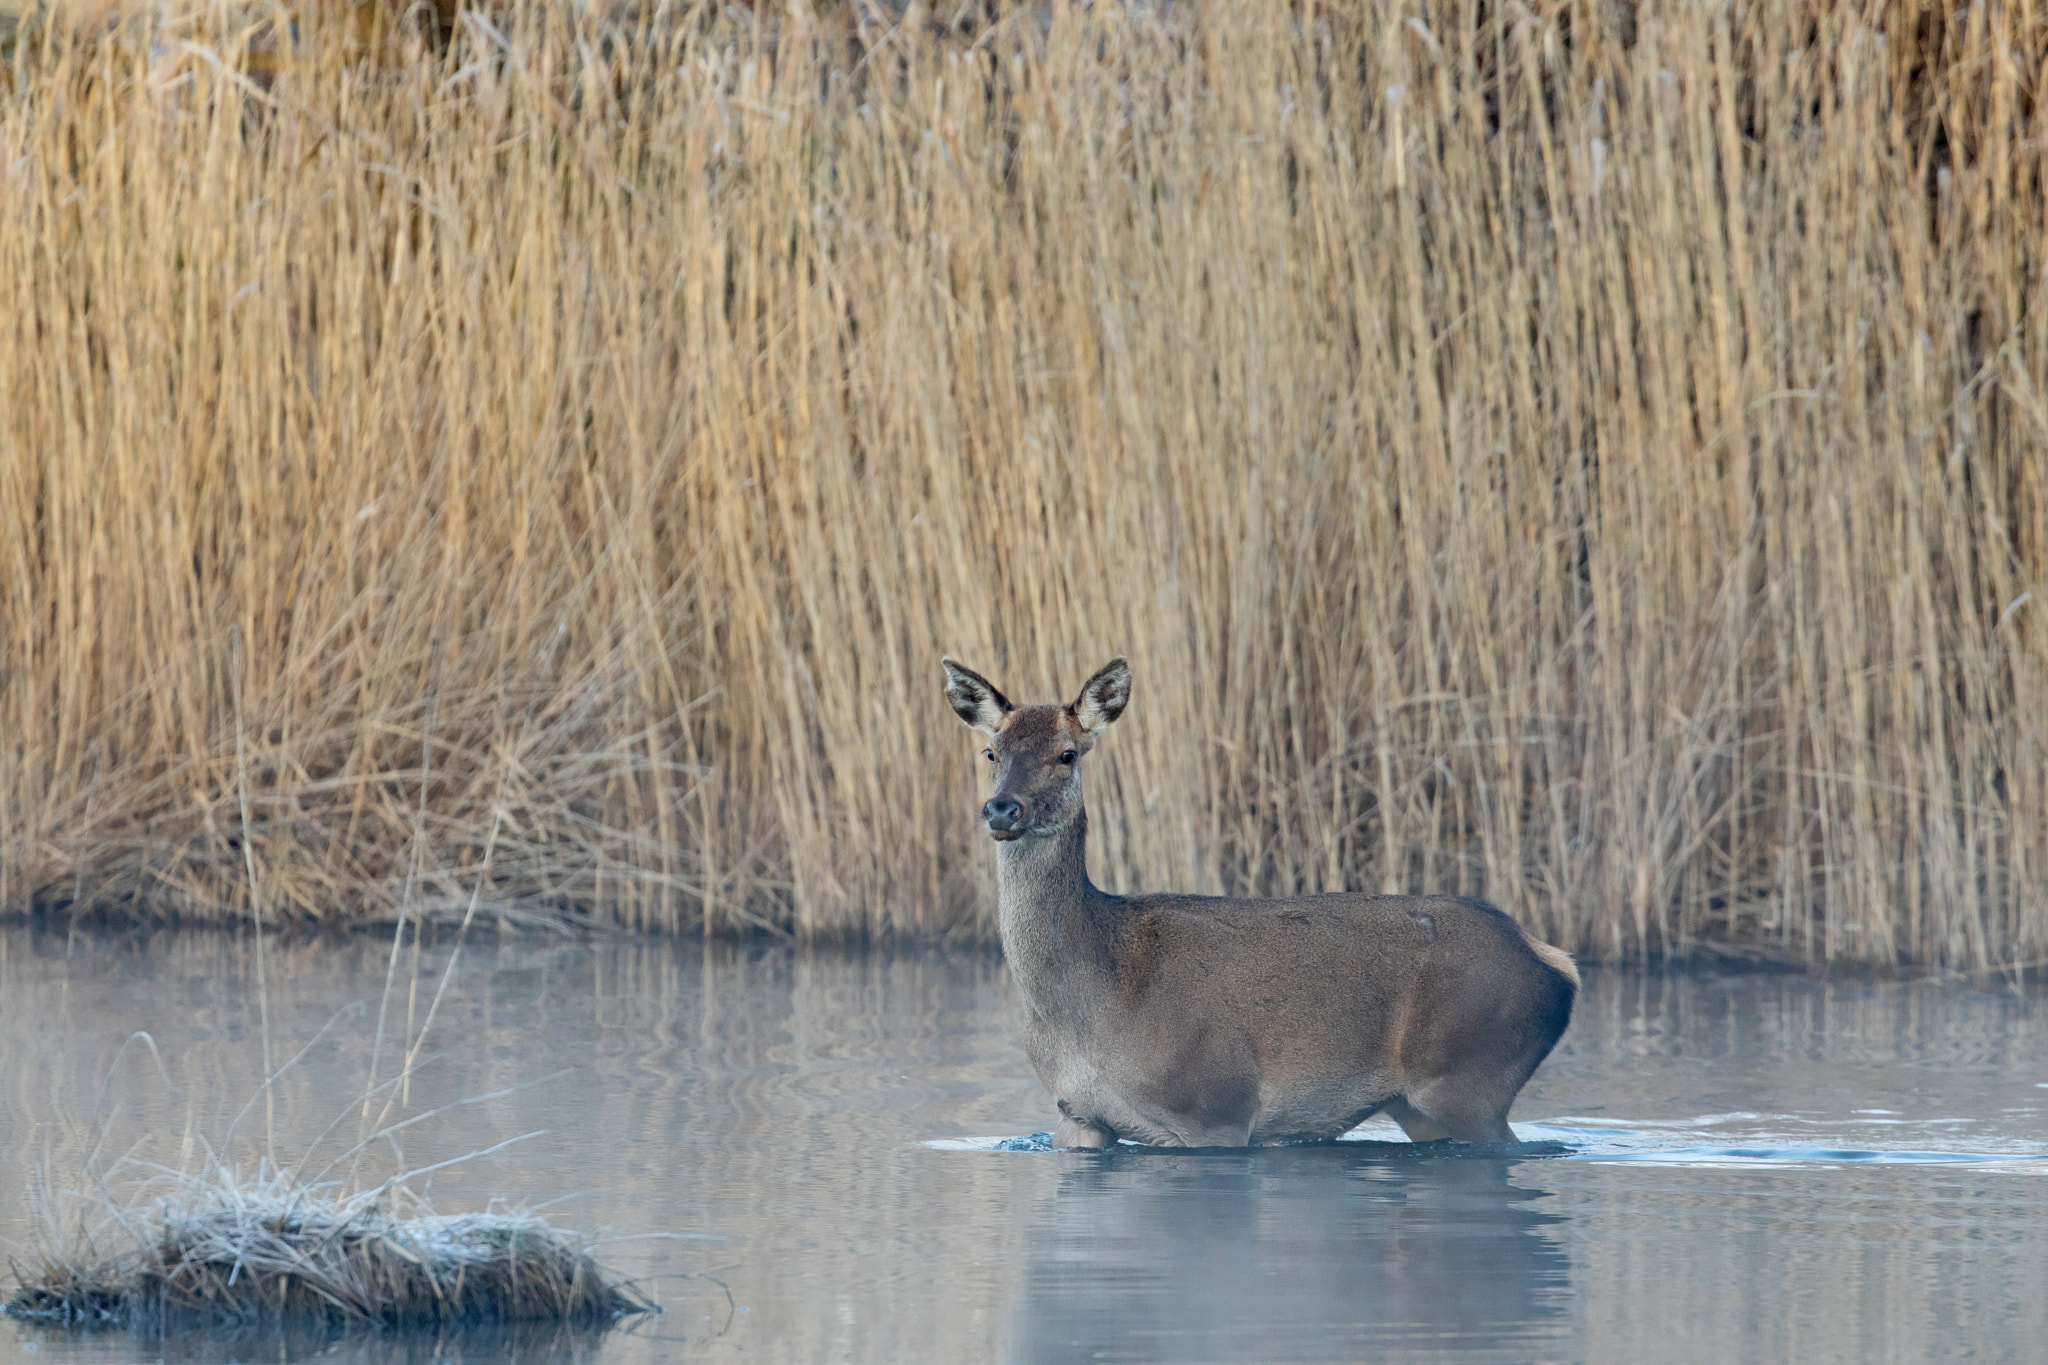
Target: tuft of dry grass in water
218,1250
1589,455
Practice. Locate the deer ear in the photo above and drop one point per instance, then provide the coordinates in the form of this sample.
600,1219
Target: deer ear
1103,697
974,698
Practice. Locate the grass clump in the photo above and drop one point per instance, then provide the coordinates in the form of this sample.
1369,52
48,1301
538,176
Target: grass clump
218,1251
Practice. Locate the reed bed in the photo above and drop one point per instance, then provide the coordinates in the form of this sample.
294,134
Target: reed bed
1585,454
217,1250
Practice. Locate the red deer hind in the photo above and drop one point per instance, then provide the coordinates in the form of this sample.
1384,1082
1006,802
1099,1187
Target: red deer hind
1205,1021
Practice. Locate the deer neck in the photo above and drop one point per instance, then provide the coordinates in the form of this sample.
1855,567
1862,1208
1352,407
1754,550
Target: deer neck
1054,922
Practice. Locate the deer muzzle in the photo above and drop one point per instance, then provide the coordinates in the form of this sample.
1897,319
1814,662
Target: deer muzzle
1004,816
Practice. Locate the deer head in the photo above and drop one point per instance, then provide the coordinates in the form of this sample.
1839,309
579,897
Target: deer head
1034,752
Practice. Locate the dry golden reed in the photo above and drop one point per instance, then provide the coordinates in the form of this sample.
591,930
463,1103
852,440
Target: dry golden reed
1588,455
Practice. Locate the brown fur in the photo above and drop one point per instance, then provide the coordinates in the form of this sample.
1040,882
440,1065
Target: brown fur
1204,1021
1138,953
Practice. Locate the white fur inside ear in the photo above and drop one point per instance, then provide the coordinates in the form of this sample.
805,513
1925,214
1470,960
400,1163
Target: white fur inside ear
974,699
1104,696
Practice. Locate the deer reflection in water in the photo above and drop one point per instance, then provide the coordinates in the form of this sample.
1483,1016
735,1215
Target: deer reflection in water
1291,1253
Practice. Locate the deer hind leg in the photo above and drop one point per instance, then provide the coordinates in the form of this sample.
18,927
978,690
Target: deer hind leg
1447,1110
1419,1126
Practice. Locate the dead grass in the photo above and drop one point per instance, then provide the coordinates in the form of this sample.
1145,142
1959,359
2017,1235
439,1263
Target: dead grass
1587,455
222,1250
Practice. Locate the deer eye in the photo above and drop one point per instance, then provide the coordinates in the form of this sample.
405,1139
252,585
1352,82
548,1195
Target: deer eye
989,754
1069,756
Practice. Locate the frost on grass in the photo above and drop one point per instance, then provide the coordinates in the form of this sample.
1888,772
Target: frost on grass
215,1249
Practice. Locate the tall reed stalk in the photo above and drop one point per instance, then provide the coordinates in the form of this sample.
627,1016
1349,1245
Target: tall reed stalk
1589,455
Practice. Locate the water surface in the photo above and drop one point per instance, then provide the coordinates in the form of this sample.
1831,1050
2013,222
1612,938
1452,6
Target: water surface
797,1150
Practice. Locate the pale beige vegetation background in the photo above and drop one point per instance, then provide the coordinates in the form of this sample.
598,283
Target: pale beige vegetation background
1588,457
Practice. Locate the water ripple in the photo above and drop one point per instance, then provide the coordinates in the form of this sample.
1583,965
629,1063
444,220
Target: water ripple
1670,1142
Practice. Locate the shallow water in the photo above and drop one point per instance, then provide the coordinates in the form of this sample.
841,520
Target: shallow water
1720,1166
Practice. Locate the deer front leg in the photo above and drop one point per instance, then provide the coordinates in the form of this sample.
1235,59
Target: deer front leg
1071,1132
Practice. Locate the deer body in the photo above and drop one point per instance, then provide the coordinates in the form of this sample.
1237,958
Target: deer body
1204,1021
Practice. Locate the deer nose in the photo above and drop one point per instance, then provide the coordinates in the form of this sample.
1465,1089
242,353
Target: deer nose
1003,813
